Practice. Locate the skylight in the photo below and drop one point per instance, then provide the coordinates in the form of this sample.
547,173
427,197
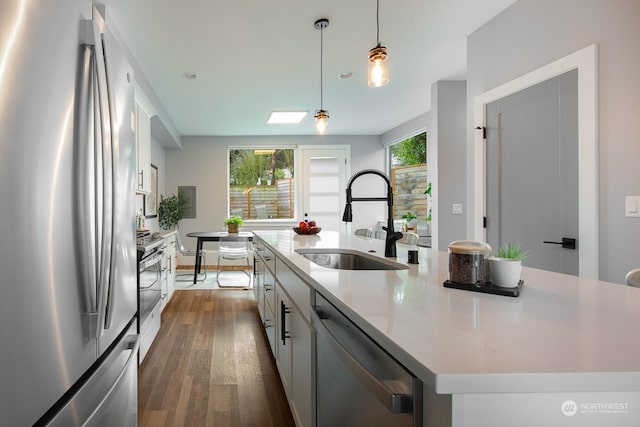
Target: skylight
286,117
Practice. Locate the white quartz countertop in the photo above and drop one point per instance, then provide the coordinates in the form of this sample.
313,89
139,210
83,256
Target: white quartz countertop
563,333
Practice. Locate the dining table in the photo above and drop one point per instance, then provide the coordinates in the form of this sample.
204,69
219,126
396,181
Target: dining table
210,236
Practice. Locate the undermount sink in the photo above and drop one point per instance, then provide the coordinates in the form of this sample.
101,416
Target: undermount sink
348,259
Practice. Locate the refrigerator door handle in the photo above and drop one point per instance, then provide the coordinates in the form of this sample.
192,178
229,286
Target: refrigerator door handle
85,181
104,182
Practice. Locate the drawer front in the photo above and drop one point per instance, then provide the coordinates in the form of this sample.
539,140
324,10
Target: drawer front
265,254
269,286
298,291
269,323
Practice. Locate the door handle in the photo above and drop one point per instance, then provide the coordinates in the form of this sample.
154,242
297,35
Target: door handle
566,243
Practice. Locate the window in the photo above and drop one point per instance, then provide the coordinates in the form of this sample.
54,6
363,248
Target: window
408,171
261,183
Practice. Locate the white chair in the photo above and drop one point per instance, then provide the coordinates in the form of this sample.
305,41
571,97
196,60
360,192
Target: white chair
364,232
233,247
261,212
188,277
633,278
409,239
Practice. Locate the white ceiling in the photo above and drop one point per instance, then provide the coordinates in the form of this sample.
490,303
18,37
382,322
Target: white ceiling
252,57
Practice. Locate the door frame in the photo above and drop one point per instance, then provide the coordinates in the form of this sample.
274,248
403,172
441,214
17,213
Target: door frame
586,62
304,183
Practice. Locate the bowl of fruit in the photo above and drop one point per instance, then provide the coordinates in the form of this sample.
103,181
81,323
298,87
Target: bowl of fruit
307,227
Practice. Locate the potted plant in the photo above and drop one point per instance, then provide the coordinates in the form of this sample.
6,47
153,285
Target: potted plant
233,222
410,220
170,211
505,268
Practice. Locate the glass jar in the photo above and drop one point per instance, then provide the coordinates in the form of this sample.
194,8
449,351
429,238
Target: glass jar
467,262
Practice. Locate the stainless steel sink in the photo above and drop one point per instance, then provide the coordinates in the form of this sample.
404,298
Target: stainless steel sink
348,259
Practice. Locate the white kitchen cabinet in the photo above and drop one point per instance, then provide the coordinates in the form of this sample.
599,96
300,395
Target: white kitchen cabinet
170,256
294,358
281,292
167,269
143,150
265,289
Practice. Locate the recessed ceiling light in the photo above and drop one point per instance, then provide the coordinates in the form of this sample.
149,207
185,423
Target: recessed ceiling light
345,75
189,76
286,117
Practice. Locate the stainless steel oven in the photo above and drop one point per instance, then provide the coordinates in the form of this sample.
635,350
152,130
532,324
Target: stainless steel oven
150,255
358,383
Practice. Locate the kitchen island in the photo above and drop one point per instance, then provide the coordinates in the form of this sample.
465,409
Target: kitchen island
565,352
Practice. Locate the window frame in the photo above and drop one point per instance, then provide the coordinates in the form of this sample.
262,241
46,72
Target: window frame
295,193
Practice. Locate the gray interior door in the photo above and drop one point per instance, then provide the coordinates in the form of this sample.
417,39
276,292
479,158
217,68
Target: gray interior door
532,173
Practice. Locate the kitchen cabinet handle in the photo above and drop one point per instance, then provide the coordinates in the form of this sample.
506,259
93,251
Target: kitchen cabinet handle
284,310
567,243
141,180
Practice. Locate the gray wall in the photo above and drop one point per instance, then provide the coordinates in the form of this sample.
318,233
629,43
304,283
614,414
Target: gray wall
202,161
448,137
407,129
533,33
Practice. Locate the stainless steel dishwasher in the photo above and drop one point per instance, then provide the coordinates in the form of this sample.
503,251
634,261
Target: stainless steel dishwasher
358,383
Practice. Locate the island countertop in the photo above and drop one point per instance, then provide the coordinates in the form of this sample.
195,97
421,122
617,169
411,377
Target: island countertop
563,333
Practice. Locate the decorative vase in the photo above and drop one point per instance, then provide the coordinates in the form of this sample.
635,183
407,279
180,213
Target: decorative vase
232,228
505,272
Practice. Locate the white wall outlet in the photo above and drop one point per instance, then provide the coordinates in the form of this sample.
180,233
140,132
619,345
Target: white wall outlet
456,209
632,206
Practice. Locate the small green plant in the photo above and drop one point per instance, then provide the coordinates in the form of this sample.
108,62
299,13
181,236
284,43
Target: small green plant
234,219
409,216
170,211
512,251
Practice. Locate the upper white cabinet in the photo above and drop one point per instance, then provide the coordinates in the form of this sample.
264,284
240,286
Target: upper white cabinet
143,150
144,112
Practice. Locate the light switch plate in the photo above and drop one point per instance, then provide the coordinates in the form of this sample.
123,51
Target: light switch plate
632,206
456,209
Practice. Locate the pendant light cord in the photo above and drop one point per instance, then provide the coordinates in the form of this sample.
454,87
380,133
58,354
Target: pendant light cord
378,22
321,79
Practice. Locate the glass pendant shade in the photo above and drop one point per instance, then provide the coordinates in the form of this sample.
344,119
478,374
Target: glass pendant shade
378,73
322,123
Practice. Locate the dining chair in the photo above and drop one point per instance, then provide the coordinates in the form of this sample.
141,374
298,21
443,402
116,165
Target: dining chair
188,277
233,247
261,212
364,232
633,278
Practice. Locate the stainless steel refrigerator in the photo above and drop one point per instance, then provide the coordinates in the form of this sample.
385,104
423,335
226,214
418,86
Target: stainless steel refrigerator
68,292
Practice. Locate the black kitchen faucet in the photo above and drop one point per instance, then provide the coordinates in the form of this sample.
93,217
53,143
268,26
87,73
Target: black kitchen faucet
392,236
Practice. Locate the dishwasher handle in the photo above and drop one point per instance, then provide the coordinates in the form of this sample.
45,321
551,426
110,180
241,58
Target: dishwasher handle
397,403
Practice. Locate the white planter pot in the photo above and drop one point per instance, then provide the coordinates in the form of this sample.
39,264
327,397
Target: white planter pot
505,272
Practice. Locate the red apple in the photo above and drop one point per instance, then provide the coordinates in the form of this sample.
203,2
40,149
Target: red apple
312,223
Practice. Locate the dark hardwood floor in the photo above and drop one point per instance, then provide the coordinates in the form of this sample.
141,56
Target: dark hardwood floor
211,366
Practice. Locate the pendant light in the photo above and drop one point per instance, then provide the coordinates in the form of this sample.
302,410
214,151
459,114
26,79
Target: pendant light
378,75
321,115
